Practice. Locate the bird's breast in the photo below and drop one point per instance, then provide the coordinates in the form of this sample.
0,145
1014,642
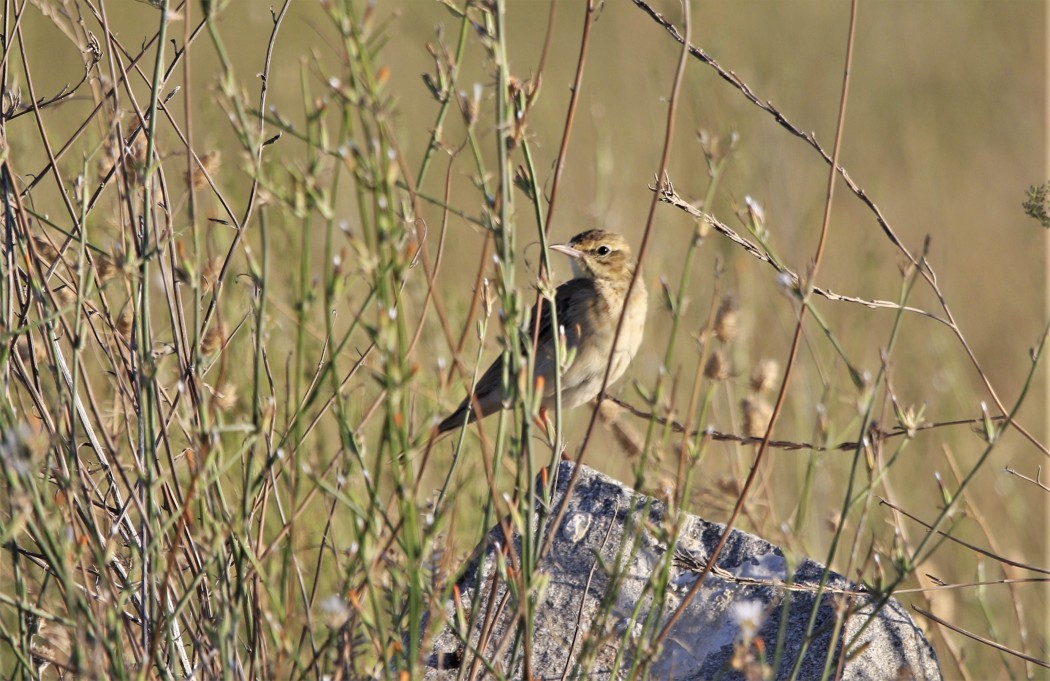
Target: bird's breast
603,330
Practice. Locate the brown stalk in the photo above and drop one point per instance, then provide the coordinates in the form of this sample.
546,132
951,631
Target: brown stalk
980,639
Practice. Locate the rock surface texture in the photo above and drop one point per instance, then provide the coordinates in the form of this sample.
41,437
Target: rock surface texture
595,620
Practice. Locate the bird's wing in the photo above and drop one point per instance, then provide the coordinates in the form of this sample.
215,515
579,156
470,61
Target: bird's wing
570,300
567,297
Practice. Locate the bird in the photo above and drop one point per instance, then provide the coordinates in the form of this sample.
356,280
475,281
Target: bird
588,310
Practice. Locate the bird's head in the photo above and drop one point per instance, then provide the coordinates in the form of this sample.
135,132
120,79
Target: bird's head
598,254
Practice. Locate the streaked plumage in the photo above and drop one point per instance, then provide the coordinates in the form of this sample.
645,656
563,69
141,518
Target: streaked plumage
589,308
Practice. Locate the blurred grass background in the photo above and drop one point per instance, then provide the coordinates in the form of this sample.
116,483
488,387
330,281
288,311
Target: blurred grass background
945,128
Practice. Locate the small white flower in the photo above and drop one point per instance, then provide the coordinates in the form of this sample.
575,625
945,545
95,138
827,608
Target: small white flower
336,610
749,616
756,208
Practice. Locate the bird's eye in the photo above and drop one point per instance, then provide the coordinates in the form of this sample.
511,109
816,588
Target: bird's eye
602,250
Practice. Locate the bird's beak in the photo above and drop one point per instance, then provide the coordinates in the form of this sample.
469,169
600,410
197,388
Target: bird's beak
566,249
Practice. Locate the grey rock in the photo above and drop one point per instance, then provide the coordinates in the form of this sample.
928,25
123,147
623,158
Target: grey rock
595,620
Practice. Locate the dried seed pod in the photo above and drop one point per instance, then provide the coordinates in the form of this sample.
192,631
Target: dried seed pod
717,367
764,375
704,227
22,349
108,158
44,250
225,396
214,338
665,491
626,435
756,416
210,274
65,296
105,267
209,164
52,644
125,322
35,352
134,157
726,319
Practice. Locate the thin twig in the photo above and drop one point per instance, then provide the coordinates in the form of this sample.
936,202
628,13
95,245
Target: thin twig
980,639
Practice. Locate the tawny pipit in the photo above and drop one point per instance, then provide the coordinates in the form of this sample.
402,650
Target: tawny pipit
589,308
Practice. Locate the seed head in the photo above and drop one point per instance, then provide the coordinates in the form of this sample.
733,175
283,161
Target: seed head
629,439
105,266
44,250
209,163
225,396
125,322
210,274
727,319
764,375
756,416
717,367
214,338
65,296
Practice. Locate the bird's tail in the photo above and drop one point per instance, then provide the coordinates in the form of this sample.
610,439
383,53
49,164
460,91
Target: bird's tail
461,417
